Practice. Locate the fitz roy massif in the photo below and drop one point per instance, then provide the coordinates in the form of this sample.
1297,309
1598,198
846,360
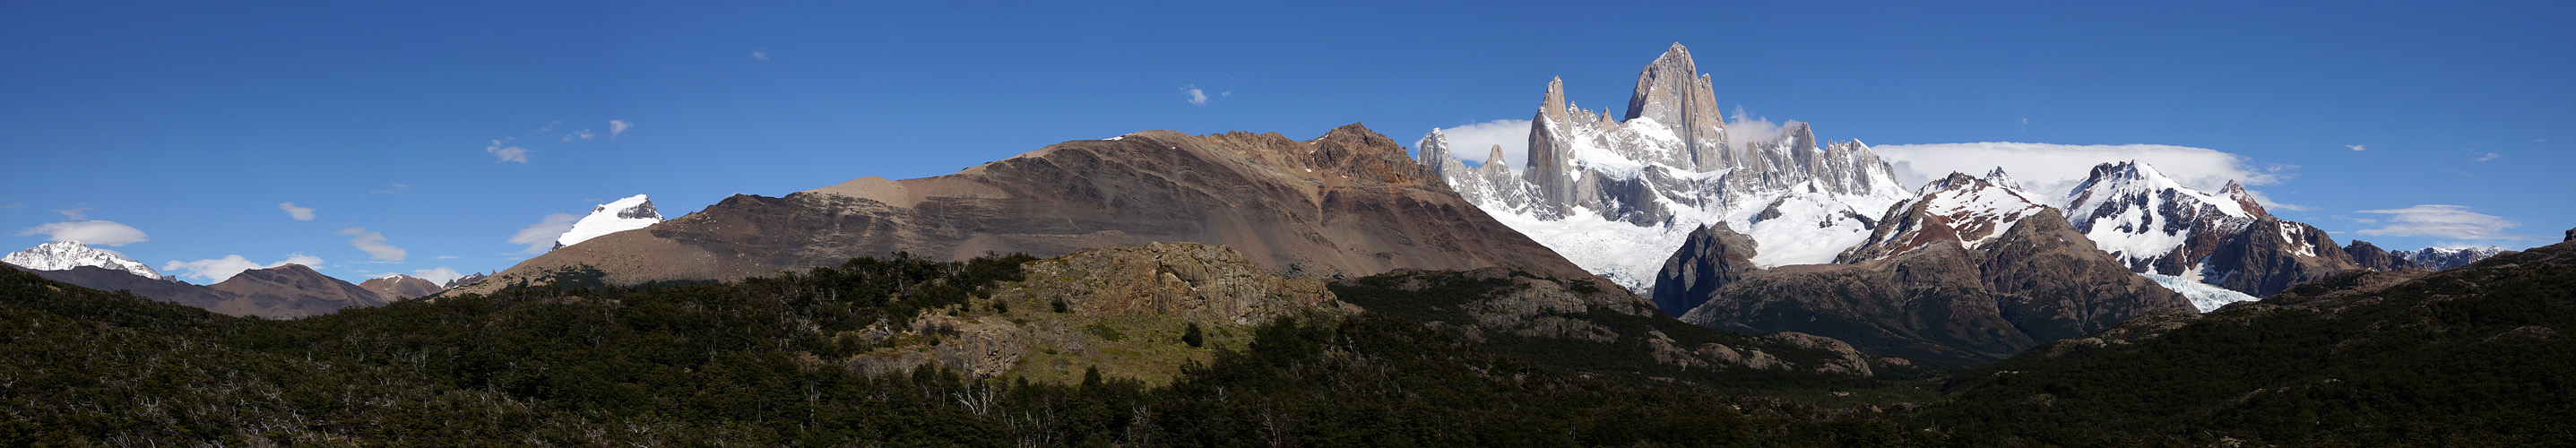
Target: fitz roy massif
1646,275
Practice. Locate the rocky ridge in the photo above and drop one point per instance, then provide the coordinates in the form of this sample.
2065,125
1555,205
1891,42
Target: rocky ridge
1350,202
398,287
64,255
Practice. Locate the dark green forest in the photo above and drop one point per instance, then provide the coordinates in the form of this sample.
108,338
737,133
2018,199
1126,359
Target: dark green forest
2452,360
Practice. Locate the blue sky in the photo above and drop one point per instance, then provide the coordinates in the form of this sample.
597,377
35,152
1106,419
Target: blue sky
191,123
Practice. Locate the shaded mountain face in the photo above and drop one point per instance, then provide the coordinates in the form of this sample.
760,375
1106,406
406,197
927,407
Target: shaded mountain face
462,281
1348,203
2355,359
400,287
1712,257
283,292
1966,273
290,291
2371,257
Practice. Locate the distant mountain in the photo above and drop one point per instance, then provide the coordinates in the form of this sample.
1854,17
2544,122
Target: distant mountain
63,255
1348,203
468,279
290,291
2436,258
398,287
1967,272
633,212
1601,190
2156,225
2371,256
105,279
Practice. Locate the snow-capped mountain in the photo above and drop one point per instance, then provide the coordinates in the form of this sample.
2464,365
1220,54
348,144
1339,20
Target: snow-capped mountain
2157,225
2435,258
63,255
1961,208
1603,190
631,213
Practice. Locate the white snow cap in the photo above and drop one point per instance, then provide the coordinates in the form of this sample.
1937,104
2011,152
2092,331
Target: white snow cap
618,216
61,255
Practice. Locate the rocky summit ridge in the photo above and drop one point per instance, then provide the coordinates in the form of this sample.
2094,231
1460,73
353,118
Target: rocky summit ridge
64,255
1350,202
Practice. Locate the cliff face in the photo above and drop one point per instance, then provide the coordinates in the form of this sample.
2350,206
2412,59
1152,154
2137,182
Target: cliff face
1713,257
1348,203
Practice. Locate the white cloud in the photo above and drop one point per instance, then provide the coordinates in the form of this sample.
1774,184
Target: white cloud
508,154
2052,169
584,134
74,213
219,269
1742,131
1197,97
616,127
550,126
374,244
2444,221
2357,147
2480,157
102,233
397,188
299,213
758,55
1475,141
440,275
540,237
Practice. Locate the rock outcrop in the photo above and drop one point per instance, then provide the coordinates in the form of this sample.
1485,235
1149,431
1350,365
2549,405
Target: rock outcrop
1192,281
2371,257
1348,203
1713,256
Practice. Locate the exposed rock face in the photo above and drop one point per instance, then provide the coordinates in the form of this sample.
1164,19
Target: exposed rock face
462,281
1493,304
1599,189
290,291
2571,235
1967,272
399,287
1347,203
2371,257
1713,257
2270,255
1193,281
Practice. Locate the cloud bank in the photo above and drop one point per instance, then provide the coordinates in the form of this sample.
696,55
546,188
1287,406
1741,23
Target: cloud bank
2052,169
2444,221
103,233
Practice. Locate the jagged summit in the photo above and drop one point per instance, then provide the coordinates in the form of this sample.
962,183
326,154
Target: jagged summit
64,255
1997,177
1958,208
1599,189
634,212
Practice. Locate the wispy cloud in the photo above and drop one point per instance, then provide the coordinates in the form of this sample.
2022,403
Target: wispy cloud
74,213
103,233
507,154
580,135
2357,147
758,55
374,244
299,213
1196,97
2486,156
397,187
550,126
215,270
12,205
540,237
2444,221
618,127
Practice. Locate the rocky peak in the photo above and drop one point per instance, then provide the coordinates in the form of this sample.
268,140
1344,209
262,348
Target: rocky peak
2243,199
1356,152
1714,256
400,287
1494,156
1998,178
2371,256
2571,235
64,255
1955,180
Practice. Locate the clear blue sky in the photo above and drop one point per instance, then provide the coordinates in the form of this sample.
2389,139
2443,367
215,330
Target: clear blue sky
191,122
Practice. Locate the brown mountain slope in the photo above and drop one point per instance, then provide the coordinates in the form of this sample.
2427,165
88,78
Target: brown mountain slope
400,287
290,291
1348,203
